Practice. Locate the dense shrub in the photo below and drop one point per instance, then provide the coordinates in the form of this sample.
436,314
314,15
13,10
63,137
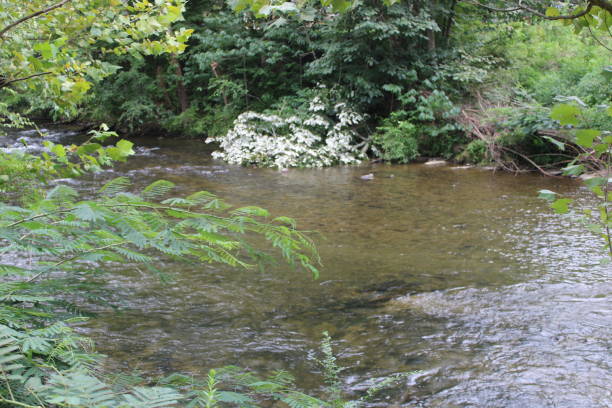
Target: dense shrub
397,141
425,126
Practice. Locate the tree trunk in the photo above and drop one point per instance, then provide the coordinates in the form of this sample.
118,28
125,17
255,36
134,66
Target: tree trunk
161,81
431,40
214,65
446,33
180,85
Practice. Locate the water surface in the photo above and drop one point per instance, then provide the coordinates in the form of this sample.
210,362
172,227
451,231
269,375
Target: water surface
462,274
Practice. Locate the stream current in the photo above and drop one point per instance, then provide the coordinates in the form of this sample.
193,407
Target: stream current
462,275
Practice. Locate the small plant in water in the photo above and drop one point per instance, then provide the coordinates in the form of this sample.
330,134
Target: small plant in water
595,158
331,374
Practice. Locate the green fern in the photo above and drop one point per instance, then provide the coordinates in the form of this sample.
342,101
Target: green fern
10,356
44,363
115,186
77,389
152,397
157,189
297,399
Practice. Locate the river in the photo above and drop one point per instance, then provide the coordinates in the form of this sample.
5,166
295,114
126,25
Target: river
462,275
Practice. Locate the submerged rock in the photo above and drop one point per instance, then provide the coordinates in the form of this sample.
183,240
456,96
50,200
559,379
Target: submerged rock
435,162
588,176
374,295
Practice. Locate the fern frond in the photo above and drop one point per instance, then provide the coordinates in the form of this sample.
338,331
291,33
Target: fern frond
12,270
77,388
88,211
297,399
10,355
157,189
201,197
251,210
115,186
62,194
230,397
132,255
152,397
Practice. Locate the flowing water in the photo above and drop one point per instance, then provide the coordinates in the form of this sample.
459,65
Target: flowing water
460,274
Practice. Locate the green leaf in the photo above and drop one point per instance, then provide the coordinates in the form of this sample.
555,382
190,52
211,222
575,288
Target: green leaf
601,148
116,185
174,12
286,220
595,181
595,228
574,170
234,398
251,210
59,150
157,189
565,114
561,206
265,386
560,145
62,193
552,12
12,270
340,5
125,147
239,5
152,397
47,51
87,212
114,153
547,195
88,148
585,137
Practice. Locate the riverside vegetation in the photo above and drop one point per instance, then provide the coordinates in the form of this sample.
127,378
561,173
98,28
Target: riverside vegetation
275,84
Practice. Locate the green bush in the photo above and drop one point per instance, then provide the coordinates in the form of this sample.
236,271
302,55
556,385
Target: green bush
425,126
475,152
397,141
595,88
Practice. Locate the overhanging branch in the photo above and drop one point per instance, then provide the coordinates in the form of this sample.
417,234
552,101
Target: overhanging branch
4,84
490,8
562,17
604,4
31,16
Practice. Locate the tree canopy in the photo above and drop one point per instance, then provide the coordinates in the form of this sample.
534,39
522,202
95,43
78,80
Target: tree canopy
50,54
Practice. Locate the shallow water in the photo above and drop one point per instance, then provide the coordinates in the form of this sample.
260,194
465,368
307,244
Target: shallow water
462,274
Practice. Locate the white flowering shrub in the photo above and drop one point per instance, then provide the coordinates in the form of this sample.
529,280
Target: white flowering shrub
309,140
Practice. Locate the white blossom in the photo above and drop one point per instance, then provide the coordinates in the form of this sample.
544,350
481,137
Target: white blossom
292,141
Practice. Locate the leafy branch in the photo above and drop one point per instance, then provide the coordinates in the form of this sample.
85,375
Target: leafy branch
31,16
596,148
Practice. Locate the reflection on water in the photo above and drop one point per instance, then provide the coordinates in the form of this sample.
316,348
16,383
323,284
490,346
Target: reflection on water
462,274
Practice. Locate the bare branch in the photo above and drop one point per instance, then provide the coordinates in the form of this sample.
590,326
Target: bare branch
600,3
563,17
508,10
540,169
4,84
35,14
